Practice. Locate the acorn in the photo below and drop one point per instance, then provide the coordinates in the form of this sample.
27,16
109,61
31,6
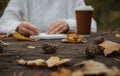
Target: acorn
98,40
49,48
90,51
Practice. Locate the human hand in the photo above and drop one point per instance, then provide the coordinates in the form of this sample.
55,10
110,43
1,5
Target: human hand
59,26
27,29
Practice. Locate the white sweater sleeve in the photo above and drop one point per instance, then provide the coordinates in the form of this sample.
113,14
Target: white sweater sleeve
11,17
72,22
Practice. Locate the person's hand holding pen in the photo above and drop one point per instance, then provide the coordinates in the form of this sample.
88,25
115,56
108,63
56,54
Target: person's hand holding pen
57,27
27,29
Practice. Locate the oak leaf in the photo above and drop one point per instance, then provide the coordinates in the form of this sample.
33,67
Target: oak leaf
110,47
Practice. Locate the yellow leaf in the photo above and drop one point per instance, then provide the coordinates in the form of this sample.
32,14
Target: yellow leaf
22,37
62,72
74,38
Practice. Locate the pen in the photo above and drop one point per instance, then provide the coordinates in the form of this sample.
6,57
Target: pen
25,19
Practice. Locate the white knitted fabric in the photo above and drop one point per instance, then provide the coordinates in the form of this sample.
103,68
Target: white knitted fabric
41,13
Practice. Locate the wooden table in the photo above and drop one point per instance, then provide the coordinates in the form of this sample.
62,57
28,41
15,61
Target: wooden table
18,49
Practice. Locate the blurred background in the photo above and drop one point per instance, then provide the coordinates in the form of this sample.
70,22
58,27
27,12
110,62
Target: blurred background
106,14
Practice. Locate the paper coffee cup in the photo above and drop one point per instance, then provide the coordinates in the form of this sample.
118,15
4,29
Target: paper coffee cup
83,20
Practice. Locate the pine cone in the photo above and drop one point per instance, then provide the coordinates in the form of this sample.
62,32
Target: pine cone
49,48
98,40
90,51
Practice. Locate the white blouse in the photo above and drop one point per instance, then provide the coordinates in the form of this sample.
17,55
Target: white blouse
41,13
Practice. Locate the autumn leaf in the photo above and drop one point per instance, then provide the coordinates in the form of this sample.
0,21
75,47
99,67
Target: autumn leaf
4,35
56,61
94,68
117,35
61,72
37,62
31,47
22,37
4,43
51,62
74,38
88,68
110,47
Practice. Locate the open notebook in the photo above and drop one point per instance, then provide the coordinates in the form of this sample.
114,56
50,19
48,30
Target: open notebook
49,36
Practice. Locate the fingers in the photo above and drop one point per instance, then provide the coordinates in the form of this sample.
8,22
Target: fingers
28,29
57,27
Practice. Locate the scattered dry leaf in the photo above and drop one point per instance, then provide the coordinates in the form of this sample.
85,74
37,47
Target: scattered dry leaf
37,62
110,47
22,37
88,68
4,35
94,68
61,72
74,38
31,47
3,43
77,73
51,62
56,61
117,35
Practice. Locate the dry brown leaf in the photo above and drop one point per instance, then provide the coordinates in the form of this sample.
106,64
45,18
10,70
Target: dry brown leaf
4,43
110,47
56,61
117,35
22,37
51,62
31,47
77,73
4,35
91,67
37,62
61,72
74,38
88,68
